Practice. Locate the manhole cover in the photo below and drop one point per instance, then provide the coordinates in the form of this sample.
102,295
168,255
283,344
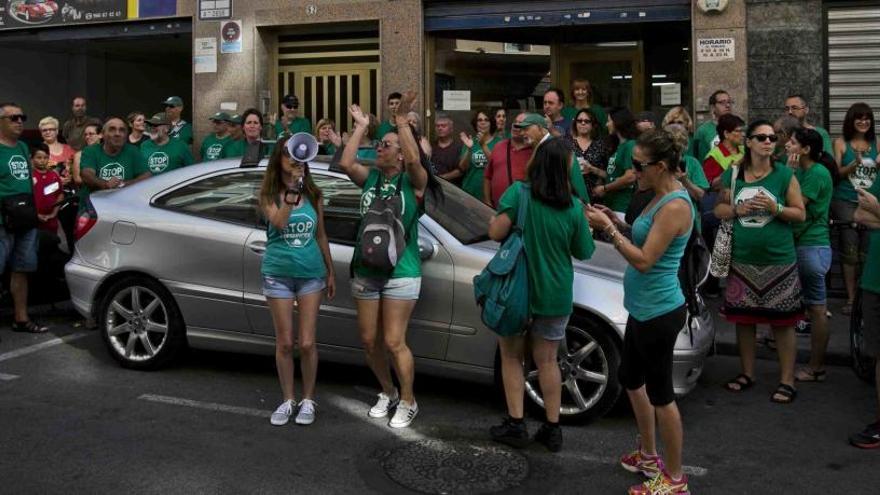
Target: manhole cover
449,467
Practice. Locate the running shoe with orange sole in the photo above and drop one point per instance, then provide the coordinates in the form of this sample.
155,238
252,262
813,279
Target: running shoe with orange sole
661,484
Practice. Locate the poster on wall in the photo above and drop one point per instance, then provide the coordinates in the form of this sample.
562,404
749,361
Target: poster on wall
230,37
205,55
716,49
27,14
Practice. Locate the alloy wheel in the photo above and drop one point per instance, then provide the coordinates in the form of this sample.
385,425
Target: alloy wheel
136,324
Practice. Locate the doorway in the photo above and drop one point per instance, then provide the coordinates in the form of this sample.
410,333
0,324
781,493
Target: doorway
616,71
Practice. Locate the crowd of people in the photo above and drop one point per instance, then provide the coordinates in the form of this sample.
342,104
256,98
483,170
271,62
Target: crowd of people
643,184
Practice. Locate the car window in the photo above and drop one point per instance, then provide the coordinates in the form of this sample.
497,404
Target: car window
462,215
230,197
341,208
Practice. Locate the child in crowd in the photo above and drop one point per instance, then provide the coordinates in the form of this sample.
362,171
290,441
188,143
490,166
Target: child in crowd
48,192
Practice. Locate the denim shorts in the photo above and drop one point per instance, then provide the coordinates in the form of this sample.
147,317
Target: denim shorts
291,287
18,250
403,288
813,264
549,327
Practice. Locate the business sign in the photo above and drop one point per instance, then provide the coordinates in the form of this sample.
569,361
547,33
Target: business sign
716,49
26,14
215,9
456,100
230,37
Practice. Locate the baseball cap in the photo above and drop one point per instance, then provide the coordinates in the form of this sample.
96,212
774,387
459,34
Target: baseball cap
531,119
234,119
159,119
290,101
220,117
173,101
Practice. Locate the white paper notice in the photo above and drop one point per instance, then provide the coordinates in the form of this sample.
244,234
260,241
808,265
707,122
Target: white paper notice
716,49
229,105
205,55
456,100
670,94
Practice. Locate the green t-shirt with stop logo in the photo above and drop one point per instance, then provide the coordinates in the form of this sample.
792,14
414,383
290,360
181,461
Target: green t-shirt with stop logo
164,158
618,164
126,165
212,147
762,239
15,170
473,178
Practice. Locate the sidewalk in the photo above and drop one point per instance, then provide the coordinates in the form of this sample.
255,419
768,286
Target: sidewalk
838,353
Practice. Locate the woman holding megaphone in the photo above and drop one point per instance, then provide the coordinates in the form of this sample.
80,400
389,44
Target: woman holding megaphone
297,267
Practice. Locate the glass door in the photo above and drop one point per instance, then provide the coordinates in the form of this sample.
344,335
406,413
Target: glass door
615,71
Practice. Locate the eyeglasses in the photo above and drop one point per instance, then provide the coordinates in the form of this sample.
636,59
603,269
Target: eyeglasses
384,145
863,119
792,108
584,121
765,137
729,102
639,166
48,129
18,117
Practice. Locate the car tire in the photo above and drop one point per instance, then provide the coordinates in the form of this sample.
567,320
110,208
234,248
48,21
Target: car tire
862,364
589,359
140,323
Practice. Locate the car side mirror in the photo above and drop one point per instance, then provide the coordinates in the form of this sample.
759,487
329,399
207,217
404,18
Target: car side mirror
427,249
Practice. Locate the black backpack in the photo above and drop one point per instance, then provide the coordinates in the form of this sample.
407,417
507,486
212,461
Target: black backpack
382,233
693,271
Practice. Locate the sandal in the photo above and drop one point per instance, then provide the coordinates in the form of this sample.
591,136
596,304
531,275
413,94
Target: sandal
810,375
742,381
29,327
787,392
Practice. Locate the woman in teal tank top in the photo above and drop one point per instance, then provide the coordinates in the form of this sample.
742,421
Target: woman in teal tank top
656,305
856,156
296,269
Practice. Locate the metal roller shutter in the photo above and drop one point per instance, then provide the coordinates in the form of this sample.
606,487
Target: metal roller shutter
853,60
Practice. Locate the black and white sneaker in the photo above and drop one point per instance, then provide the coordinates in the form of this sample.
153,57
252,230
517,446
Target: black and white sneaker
404,414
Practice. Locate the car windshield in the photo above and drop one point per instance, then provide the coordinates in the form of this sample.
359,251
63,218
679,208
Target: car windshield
462,215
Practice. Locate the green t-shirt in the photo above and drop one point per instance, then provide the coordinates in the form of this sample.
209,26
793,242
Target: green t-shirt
15,170
212,147
695,172
618,164
578,184
705,139
299,124
384,128
472,183
182,132
871,270
863,176
294,251
762,239
569,112
827,146
167,157
409,265
128,164
551,237
817,188
234,148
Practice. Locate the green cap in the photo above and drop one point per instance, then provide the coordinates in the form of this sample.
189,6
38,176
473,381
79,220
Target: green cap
173,101
220,117
531,119
159,119
234,119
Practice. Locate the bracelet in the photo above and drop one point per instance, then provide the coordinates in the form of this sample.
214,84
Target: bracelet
779,209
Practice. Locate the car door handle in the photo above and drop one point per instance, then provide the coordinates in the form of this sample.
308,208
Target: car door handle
258,247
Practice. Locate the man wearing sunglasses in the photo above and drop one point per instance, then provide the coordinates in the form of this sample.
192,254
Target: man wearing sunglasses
162,153
706,137
291,122
18,248
181,130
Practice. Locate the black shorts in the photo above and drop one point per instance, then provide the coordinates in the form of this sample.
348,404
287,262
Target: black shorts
647,355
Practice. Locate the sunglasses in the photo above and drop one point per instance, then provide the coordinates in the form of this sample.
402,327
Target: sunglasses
639,166
584,121
19,117
384,145
765,137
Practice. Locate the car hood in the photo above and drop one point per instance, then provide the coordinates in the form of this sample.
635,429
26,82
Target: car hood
605,262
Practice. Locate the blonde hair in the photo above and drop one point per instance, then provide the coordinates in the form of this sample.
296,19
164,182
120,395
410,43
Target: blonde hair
321,123
47,121
679,113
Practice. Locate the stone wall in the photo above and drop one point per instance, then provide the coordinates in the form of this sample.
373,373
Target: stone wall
785,56
730,76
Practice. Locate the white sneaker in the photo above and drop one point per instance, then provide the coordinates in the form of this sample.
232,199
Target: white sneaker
282,415
306,414
384,404
404,415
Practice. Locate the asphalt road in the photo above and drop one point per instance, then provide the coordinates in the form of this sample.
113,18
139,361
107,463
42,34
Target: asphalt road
72,421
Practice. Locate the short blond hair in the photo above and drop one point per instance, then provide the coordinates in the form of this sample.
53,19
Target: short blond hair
321,123
48,121
679,113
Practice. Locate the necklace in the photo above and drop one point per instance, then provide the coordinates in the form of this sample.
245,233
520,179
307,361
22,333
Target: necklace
758,177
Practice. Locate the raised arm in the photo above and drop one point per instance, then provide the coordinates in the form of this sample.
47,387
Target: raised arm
418,176
355,171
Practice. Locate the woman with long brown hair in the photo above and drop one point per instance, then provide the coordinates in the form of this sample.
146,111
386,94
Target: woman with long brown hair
296,269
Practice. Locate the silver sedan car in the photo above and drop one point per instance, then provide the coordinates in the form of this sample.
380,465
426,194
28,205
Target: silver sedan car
174,261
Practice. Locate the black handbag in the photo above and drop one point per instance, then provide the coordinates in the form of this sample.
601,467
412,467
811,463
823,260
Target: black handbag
19,212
